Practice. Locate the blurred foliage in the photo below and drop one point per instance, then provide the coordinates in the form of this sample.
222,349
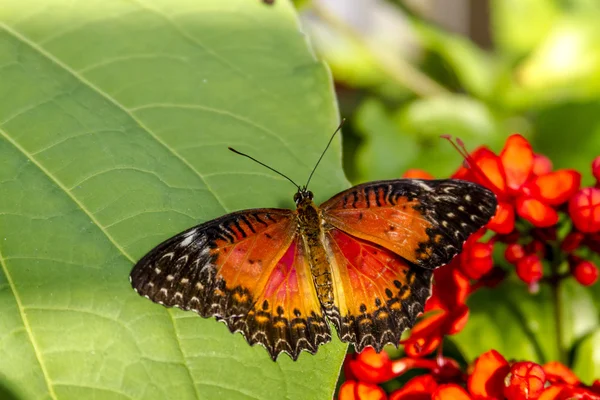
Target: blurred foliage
540,77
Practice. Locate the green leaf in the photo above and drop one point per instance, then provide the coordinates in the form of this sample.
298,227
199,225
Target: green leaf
587,358
521,325
114,122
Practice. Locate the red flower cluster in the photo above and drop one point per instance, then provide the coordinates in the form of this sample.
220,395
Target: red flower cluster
543,215
491,376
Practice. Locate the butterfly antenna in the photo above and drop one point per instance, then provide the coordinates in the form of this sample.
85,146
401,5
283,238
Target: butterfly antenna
324,151
468,159
264,165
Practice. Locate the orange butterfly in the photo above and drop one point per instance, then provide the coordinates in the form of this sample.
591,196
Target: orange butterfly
363,260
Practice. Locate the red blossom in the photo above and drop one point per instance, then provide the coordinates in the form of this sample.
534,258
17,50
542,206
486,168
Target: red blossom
522,182
541,165
584,208
450,391
417,174
572,241
418,388
487,378
476,259
525,381
353,390
530,269
370,366
557,372
514,252
450,291
596,168
585,272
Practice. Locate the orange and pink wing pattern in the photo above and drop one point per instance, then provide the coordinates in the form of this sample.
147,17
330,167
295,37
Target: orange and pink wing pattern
424,221
378,294
248,270
384,239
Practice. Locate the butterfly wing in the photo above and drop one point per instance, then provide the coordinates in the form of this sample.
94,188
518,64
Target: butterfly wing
247,270
424,221
379,294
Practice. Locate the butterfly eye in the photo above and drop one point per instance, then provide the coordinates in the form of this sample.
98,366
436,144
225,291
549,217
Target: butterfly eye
310,195
296,197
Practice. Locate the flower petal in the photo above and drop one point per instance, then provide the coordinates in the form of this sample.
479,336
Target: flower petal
417,174
371,367
353,390
596,168
517,160
530,269
450,392
556,187
504,219
557,372
476,259
536,212
541,164
584,208
418,388
487,379
489,171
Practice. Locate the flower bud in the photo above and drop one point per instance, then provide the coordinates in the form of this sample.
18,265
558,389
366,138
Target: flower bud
585,272
514,252
525,381
530,269
596,168
584,209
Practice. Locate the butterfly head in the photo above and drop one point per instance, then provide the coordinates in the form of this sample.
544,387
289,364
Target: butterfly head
303,196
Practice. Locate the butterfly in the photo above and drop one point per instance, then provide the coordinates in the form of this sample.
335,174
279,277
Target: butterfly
363,261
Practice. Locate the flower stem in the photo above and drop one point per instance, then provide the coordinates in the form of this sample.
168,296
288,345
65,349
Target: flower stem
555,281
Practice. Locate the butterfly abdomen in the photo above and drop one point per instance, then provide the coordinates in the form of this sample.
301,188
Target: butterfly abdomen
309,224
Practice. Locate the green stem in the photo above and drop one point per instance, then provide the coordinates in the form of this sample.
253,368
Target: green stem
555,282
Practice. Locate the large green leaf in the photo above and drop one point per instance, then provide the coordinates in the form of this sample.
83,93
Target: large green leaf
114,121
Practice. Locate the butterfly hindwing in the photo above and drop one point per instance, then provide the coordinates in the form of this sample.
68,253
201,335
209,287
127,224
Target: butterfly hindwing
424,221
246,270
378,293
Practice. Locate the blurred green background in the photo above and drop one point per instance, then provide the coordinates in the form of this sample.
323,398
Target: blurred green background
409,71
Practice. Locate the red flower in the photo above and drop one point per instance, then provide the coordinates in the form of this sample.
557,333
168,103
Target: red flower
514,252
596,168
476,258
522,182
584,209
370,366
418,388
450,291
559,373
585,272
417,174
353,390
524,381
450,392
487,378
530,269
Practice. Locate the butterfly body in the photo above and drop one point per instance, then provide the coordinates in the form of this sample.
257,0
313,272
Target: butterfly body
362,260
311,230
